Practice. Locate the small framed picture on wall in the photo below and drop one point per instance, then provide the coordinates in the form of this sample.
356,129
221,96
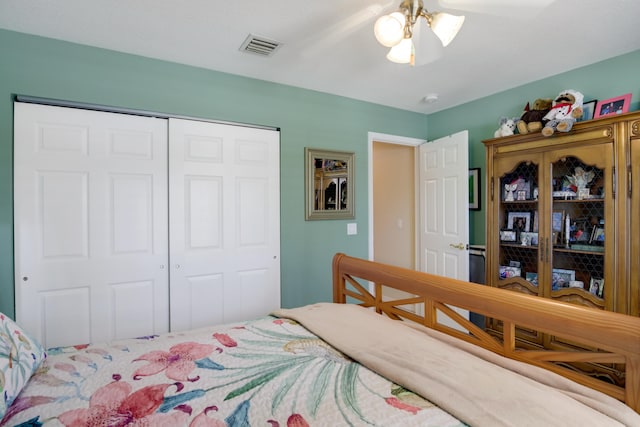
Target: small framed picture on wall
474,189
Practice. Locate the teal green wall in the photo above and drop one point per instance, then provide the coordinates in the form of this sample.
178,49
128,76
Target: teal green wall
48,68
602,80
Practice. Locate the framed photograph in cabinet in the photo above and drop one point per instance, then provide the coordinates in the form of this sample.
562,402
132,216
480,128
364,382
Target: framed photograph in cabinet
329,189
588,109
562,278
474,189
597,235
535,222
613,106
531,278
529,238
557,221
520,189
520,221
596,287
507,272
508,236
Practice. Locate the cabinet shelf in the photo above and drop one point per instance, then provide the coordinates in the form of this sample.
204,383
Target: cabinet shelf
518,245
519,202
579,251
556,201
555,249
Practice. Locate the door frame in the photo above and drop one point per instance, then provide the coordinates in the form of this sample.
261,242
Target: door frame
388,139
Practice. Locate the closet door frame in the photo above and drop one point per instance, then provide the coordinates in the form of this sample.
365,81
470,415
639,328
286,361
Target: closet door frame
89,315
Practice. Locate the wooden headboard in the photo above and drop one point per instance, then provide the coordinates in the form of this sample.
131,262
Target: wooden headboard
616,336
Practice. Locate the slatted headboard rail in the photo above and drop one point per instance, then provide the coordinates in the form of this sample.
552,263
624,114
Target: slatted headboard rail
616,337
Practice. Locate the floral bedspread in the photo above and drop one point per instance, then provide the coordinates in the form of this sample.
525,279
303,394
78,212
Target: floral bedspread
268,372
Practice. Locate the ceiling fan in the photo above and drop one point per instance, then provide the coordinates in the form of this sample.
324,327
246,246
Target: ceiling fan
417,35
410,31
407,33
505,8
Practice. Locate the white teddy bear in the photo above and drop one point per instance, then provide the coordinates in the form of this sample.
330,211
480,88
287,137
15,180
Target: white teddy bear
566,109
507,126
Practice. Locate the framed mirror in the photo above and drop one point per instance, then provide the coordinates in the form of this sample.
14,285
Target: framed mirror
328,179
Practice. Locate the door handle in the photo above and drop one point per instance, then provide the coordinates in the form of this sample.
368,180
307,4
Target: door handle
460,246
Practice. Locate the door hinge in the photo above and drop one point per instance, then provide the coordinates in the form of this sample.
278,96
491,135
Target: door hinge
629,180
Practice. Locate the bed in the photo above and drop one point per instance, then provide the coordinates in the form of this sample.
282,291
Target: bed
341,363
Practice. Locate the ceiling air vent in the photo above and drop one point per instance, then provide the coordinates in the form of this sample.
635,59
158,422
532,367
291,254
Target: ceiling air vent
260,45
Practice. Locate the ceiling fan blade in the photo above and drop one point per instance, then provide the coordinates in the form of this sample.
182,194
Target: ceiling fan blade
337,32
504,8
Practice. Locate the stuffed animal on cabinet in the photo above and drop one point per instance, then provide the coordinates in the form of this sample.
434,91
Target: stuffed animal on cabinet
507,126
531,119
566,109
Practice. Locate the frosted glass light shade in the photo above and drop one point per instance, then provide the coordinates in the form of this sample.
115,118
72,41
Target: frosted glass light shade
446,26
402,52
426,45
389,29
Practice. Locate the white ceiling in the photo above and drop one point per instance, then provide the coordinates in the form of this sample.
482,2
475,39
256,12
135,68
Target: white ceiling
328,45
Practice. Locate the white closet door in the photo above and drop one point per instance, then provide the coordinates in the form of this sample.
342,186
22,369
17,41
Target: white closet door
224,214
90,224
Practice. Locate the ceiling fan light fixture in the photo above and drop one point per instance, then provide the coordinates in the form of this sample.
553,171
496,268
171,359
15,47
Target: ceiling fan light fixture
445,26
427,47
402,53
400,28
389,29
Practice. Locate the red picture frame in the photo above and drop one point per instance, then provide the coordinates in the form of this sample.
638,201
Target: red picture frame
613,106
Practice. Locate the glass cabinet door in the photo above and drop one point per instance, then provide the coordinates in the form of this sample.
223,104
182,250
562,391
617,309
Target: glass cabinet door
519,218
577,232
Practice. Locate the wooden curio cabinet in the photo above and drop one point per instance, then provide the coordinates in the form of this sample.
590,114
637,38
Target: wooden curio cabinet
563,220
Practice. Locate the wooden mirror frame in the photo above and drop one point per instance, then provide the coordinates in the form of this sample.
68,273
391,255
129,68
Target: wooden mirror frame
314,177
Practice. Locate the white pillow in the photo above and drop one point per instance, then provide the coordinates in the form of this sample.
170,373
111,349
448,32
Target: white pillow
20,356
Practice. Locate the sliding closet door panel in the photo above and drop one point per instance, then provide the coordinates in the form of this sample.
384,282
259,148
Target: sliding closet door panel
205,306
203,212
54,310
65,227
224,213
91,243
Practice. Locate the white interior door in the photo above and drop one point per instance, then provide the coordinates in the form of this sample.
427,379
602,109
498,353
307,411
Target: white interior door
224,211
444,207
90,224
